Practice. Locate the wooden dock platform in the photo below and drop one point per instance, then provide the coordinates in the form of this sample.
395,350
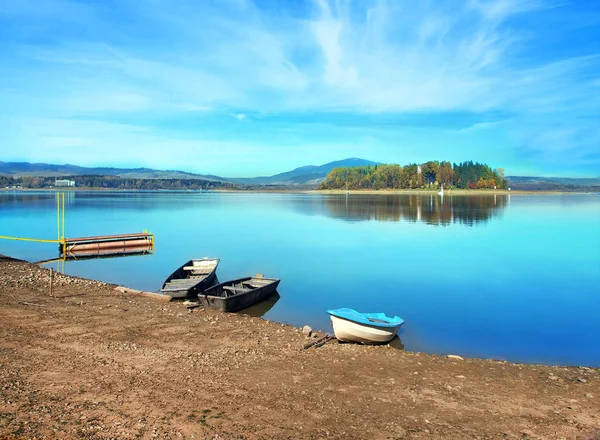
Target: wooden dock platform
134,243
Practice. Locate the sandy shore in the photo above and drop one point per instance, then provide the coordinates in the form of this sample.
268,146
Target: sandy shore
91,362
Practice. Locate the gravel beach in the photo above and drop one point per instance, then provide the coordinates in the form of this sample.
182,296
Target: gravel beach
87,361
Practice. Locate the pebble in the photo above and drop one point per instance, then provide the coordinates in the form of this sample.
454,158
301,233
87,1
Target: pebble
581,379
455,357
307,330
589,395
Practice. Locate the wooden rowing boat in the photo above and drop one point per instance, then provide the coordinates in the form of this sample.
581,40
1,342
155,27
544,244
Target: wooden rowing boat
191,278
239,294
366,328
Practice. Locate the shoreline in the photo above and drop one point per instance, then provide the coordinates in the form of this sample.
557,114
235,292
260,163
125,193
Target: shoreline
103,363
447,193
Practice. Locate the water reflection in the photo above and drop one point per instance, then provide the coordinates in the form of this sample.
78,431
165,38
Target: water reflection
261,309
396,343
430,209
60,262
33,199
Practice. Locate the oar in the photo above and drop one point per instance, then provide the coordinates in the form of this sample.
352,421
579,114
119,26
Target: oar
327,339
319,342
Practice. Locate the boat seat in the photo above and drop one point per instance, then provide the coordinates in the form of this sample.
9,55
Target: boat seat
179,285
174,289
236,289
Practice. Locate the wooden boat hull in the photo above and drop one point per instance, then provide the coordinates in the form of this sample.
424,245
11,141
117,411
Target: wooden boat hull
229,298
191,278
189,293
350,331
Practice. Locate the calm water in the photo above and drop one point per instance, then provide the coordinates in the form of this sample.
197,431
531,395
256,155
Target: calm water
505,277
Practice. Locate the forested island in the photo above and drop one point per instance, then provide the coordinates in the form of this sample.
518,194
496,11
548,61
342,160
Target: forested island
471,175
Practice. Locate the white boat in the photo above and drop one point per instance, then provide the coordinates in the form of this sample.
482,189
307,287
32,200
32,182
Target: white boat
366,328
441,191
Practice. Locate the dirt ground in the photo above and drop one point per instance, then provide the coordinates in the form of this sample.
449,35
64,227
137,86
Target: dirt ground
91,362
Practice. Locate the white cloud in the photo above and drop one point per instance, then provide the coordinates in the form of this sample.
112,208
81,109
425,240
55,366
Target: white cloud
347,56
371,58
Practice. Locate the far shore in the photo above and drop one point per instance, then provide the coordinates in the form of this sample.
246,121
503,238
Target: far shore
451,192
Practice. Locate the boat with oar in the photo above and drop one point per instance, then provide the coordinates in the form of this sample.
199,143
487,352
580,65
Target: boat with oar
239,294
191,278
365,328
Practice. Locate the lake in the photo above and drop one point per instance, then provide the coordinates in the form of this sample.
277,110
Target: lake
513,277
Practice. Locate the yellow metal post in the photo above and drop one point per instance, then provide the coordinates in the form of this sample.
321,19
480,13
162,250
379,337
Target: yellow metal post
58,215
63,216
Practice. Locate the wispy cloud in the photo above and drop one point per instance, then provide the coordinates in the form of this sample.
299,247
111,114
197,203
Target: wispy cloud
295,68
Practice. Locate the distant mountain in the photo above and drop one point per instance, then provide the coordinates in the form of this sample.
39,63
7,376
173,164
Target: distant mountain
18,169
531,183
306,175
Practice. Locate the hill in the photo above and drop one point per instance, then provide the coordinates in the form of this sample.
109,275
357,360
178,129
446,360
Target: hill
532,183
306,175
21,169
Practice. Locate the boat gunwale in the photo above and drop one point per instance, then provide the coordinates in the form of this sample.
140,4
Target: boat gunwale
198,282
235,295
382,325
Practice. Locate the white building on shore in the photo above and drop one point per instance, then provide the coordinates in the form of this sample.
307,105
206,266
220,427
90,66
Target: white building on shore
64,182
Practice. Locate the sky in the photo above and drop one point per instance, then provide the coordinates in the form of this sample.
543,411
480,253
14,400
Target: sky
242,88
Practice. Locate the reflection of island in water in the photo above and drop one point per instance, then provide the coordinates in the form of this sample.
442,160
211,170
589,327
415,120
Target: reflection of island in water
431,209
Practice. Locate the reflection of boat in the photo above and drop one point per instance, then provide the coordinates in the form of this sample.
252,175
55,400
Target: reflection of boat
261,309
87,254
94,255
191,278
239,294
396,343
366,328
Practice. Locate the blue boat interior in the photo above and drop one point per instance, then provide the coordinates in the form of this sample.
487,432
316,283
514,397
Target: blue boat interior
372,319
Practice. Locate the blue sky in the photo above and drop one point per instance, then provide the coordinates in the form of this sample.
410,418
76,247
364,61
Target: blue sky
246,88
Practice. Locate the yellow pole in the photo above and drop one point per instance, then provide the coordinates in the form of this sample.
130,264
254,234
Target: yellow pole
58,215
63,216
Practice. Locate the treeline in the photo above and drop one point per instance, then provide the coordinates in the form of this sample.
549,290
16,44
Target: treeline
428,175
111,182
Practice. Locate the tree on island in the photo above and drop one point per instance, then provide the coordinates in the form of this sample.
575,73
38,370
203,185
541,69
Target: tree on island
469,174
